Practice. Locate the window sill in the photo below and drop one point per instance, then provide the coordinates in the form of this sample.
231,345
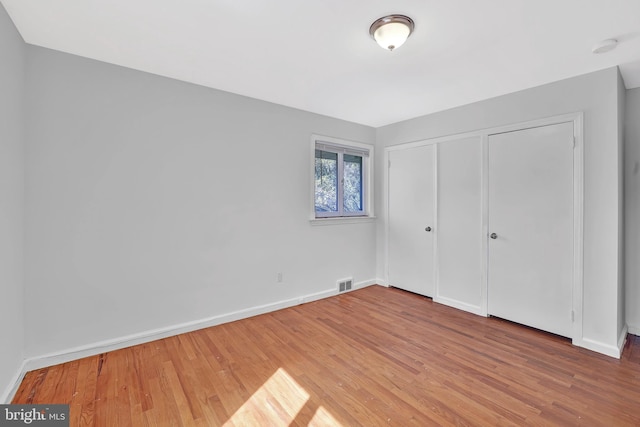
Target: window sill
342,220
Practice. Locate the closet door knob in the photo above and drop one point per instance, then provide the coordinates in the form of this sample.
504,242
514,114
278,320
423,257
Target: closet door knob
427,229
493,236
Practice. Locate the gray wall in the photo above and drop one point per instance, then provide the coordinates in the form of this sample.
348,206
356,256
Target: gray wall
11,201
595,94
152,202
632,209
622,92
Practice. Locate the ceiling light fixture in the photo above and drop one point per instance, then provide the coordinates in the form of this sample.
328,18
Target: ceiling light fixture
605,46
391,31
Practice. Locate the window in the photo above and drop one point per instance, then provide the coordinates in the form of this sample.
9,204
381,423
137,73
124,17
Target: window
341,181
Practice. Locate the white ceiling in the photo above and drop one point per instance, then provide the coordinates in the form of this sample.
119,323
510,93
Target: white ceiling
316,55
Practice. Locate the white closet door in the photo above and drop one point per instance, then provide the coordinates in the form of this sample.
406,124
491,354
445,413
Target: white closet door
460,236
530,266
411,219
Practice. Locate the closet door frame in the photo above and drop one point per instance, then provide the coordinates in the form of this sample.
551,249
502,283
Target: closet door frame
578,205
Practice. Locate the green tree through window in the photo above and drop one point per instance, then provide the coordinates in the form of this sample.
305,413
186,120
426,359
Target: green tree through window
340,175
326,181
352,183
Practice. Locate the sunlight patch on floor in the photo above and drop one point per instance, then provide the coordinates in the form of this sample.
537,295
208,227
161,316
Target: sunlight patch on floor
277,403
322,418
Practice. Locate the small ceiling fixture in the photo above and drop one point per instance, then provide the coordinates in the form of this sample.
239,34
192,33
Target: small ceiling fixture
605,46
391,31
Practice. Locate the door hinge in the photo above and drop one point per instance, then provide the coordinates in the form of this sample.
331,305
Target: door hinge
573,141
573,316
389,165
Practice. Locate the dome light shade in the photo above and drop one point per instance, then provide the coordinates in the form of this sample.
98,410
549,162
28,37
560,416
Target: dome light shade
390,32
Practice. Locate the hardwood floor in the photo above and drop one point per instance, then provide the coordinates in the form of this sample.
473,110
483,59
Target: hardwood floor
375,356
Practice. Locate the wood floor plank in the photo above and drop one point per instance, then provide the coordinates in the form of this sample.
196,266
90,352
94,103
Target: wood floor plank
375,356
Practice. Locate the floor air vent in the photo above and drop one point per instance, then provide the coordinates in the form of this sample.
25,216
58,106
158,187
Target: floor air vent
345,285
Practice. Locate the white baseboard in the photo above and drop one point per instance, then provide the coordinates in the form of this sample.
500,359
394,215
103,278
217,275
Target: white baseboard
622,339
92,349
634,330
12,388
459,305
365,283
382,282
606,349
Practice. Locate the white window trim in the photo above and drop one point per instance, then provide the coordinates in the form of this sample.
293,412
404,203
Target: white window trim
368,166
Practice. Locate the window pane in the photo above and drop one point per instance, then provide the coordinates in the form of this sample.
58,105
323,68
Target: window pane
326,181
352,183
